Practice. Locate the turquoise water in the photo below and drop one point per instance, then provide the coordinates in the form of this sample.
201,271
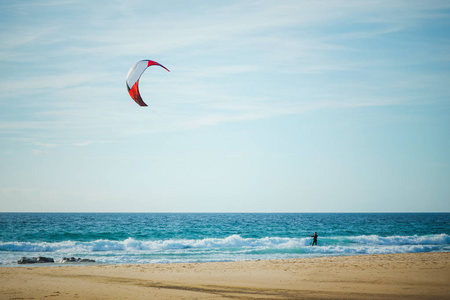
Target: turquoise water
119,238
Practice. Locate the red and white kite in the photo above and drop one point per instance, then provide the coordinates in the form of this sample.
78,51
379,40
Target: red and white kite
133,78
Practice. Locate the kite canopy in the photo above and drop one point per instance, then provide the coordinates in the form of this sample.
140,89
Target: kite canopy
133,78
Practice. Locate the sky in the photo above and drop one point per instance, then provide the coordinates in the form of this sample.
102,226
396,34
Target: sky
269,106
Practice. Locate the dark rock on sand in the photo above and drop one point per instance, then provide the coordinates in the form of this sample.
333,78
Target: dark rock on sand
35,260
75,260
41,259
85,260
26,260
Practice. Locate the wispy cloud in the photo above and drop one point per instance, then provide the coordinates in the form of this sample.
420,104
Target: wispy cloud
40,151
217,54
65,111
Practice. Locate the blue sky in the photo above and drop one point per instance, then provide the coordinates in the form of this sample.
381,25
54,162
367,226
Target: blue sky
270,106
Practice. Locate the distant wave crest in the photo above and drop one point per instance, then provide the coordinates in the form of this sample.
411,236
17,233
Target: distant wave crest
437,239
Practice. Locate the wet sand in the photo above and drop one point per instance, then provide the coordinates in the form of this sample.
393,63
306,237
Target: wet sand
391,276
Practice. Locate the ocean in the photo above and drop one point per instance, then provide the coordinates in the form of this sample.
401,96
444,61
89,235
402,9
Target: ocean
145,238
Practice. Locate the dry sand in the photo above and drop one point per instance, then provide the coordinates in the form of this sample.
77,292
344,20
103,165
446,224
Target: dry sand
392,276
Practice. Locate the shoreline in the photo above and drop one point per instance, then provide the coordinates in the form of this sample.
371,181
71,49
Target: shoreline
398,276
97,264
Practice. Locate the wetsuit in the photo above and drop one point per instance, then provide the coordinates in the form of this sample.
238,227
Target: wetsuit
314,240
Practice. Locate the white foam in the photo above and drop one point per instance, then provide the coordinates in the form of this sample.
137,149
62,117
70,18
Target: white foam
437,239
234,241
233,247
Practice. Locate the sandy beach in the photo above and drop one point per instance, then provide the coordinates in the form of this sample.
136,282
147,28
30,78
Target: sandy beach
391,276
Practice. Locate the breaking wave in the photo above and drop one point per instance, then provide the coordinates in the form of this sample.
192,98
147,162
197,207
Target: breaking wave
236,242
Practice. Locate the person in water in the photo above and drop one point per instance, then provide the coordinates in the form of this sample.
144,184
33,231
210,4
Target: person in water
314,239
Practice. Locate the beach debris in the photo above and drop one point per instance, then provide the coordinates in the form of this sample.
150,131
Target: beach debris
134,75
35,260
75,260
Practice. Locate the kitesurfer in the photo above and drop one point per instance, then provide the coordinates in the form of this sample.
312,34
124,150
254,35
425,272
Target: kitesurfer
314,242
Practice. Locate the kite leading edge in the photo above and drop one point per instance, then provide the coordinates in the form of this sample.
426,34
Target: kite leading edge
133,78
